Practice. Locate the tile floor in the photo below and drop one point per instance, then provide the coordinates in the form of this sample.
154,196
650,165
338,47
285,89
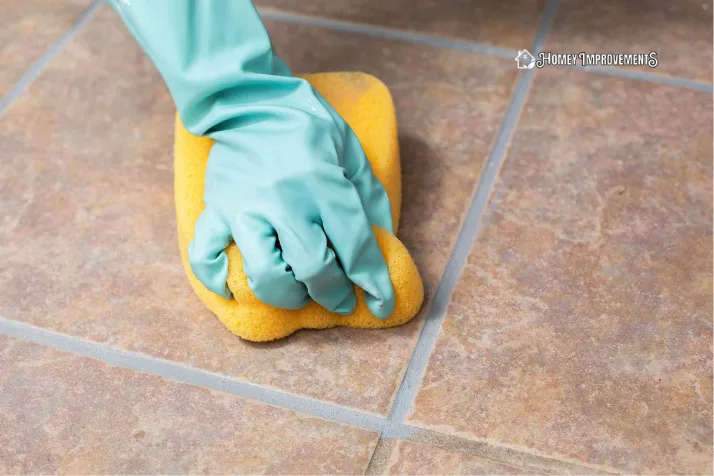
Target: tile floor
561,220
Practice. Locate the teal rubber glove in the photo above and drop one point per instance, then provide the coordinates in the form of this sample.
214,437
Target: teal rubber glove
286,179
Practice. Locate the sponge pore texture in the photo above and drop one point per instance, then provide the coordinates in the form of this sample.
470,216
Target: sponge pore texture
366,104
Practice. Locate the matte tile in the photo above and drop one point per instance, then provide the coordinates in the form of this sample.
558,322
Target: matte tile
679,32
65,414
582,324
410,457
505,24
29,27
90,247
449,108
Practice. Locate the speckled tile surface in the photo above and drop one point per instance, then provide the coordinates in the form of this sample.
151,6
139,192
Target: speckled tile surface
582,324
680,32
410,457
66,414
449,108
505,24
29,27
90,247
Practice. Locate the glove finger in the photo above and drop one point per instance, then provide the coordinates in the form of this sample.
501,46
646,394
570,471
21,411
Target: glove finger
207,255
269,276
314,264
375,200
352,238
372,193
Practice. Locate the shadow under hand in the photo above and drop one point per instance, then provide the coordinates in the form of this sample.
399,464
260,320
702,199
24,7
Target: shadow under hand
422,184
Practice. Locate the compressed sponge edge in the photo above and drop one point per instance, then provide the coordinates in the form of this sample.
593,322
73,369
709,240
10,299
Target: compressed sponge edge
366,105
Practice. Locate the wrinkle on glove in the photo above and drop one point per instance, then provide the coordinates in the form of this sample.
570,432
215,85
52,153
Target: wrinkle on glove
367,105
286,175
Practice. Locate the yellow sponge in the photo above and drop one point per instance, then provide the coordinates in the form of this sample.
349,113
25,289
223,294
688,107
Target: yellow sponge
366,104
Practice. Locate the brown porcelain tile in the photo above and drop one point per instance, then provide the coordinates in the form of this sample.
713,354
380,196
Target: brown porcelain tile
409,457
581,326
449,107
680,32
505,24
66,414
90,246
29,27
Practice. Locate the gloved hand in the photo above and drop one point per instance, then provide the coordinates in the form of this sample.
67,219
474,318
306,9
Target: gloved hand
285,175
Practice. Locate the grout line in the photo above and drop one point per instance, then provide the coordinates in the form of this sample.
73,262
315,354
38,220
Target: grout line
388,33
390,431
38,66
380,459
427,339
202,378
507,454
469,46
545,23
649,77
392,427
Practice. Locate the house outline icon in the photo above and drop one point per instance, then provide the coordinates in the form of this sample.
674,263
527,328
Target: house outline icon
525,60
